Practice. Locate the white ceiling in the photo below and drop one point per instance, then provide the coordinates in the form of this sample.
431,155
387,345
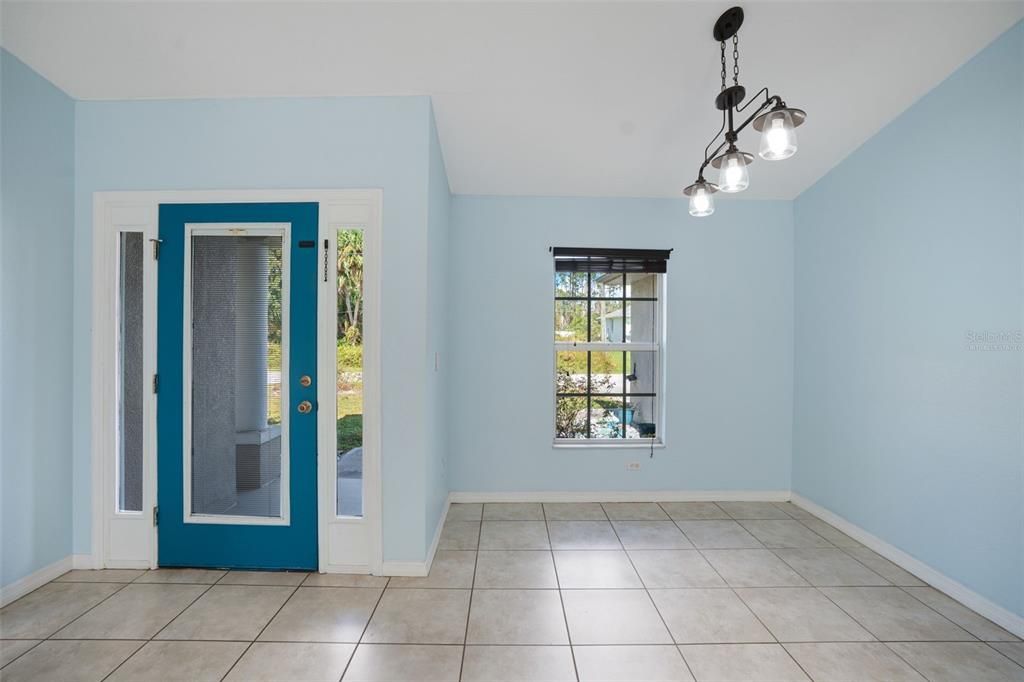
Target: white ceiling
544,98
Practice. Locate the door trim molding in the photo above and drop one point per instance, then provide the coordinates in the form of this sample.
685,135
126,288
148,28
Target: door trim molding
117,211
120,540
350,544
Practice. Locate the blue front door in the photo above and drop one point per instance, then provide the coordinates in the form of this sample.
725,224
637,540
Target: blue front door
236,393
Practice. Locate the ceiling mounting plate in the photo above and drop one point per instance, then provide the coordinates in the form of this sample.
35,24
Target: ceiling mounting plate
728,24
731,97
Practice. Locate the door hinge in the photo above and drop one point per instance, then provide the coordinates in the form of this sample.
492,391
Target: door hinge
156,515
156,248
156,383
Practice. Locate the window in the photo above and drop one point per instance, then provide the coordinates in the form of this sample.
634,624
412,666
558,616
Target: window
130,375
608,339
349,373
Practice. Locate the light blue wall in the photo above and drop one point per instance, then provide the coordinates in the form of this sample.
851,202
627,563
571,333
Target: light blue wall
729,357
901,250
437,310
37,123
281,143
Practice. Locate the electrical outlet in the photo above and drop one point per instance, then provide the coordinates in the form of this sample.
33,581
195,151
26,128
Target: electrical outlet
632,466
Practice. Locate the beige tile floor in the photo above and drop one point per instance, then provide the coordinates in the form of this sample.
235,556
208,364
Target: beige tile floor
672,591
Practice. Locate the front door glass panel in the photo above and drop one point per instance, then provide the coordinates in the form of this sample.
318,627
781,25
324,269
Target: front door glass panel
238,432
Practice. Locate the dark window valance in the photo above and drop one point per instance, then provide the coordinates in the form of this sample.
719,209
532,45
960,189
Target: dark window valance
610,260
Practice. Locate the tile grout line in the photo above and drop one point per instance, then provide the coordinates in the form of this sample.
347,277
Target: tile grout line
50,636
820,591
989,645
730,586
359,642
558,586
650,598
903,588
38,642
897,655
760,545
866,629
472,591
262,629
399,643
887,583
793,568
758,618
160,629
550,550
705,559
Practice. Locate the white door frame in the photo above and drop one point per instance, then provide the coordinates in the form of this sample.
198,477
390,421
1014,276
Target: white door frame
129,540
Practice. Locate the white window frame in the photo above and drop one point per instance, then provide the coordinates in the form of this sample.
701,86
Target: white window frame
350,544
603,346
283,230
120,539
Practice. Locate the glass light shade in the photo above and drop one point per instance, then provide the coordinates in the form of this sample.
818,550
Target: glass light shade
778,136
702,203
732,173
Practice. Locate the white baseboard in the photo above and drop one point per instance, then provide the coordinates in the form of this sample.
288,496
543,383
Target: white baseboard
418,569
625,496
86,562
940,581
19,588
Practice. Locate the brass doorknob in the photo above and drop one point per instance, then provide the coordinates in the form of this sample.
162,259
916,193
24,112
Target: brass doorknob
305,407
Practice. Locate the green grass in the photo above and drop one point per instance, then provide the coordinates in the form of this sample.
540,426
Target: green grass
350,395
350,399
350,420
601,362
350,432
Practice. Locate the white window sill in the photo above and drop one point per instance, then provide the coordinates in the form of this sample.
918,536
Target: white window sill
606,444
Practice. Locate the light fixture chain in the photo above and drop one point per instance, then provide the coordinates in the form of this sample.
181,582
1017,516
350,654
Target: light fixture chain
735,59
723,65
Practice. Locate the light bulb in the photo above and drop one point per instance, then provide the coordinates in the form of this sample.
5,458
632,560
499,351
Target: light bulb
733,176
733,172
701,202
778,139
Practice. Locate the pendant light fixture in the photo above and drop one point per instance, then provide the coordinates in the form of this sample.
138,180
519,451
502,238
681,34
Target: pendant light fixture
776,122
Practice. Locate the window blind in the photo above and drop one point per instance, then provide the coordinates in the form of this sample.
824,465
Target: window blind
570,259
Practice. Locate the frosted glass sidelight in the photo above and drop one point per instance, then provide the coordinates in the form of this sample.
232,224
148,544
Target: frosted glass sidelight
131,382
